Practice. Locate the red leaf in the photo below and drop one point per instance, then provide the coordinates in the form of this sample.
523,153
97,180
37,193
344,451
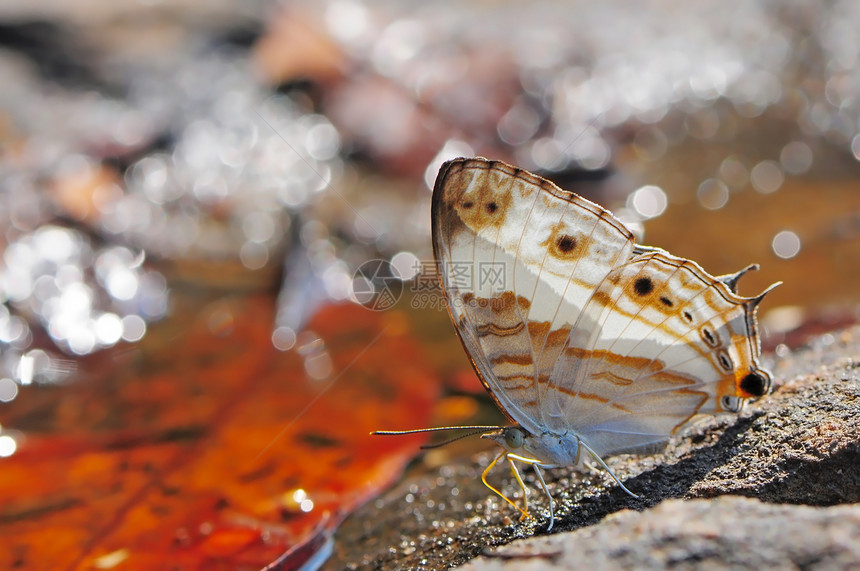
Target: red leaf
211,450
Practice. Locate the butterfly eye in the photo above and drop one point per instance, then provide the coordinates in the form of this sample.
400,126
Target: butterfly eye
514,438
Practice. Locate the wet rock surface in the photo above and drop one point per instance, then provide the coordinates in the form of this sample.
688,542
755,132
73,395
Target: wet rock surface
795,448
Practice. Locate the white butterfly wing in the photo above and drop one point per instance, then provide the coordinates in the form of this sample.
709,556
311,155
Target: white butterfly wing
574,329
658,342
519,259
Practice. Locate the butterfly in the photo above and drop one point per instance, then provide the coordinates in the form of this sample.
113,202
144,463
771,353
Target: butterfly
591,344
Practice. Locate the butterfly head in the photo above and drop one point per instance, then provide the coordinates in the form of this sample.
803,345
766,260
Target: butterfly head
511,438
549,449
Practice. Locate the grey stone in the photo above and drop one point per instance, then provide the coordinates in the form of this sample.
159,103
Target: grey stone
726,532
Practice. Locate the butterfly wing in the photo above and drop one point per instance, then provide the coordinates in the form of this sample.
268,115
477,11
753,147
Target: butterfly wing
658,342
519,259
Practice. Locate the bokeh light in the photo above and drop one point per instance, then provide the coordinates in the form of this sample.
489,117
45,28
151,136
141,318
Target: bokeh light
8,445
8,389
713,194
648,201
164,166
283,338
786,244
734,172
767,177
796,158
406,265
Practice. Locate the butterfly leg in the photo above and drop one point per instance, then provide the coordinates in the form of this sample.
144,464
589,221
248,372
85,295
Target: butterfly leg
605,467
548,495
500,494
516,473
536,464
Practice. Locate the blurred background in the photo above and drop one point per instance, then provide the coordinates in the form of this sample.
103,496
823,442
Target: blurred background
248,184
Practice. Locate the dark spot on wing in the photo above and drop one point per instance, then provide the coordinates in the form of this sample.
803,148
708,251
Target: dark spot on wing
666,301
688,316
566,243
643,286
725,361
708,337
468,204
754,384
492,207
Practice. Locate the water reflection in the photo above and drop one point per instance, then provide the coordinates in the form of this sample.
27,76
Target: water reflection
85,297
299,501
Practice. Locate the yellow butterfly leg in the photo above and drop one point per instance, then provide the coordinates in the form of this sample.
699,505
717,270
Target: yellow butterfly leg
536,465
516,473
524,512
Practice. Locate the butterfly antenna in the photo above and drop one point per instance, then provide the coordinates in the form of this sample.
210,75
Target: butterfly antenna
455,439
605,467
477,429
435,429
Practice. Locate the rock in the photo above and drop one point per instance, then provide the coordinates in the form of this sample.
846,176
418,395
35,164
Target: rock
727,532
798,445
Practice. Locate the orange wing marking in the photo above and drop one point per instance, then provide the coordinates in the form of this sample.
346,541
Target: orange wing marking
497,330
